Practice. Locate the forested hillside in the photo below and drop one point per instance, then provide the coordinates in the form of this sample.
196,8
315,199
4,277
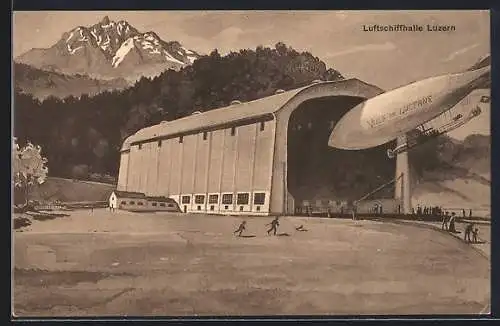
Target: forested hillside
42,84
80,136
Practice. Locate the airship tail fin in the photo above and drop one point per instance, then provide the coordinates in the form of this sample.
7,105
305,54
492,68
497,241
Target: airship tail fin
484,67
483,62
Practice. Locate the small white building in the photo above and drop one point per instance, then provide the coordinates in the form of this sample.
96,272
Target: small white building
137,201
121,199
161,203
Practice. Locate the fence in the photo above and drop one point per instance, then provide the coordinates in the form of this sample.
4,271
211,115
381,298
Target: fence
322,207
49,207
71,205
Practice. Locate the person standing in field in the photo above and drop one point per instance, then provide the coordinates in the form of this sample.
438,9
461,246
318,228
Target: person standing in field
274,226
241,228
475,234
451,224
468,232
444,225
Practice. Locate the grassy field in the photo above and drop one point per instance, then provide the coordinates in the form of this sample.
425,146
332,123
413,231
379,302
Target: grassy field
104,263
67,190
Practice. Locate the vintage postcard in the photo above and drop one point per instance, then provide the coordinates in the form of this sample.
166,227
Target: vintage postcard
251,163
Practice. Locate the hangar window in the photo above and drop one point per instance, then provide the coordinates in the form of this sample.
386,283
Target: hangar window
186,199
140,146
123,203
140,203
213,199
233,131
169,205
162,204
259,198
227,199
262,125
132,203
205,135
242,199
199,199
181,139
159,143
153,204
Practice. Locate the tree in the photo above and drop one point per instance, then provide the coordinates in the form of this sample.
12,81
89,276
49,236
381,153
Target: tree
29,169
281,48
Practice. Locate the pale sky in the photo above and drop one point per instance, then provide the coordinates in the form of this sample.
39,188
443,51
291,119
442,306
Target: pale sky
386,59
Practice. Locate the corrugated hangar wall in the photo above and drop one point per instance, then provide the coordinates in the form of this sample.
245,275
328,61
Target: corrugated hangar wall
207,170
234,160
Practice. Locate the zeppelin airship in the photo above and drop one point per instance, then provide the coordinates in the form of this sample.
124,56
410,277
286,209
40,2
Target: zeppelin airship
395,113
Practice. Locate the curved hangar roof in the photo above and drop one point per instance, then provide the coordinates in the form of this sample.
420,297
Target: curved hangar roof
247,110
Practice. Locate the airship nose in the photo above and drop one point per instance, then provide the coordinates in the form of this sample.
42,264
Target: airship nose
337,137
347,129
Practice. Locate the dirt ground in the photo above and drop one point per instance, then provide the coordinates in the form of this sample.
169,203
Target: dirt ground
114,264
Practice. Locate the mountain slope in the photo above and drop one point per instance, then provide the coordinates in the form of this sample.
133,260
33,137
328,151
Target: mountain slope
452,173
42,84
110,49
67,190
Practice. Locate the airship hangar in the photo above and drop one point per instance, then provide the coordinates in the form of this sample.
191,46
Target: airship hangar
264,157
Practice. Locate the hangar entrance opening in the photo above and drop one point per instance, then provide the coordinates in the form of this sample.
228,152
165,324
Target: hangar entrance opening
319,173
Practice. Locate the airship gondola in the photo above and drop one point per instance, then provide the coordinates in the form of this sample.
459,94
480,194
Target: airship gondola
425,135
395,113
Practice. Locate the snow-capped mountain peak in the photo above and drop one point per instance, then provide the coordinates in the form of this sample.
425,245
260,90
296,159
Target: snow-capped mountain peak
149,45
105,20
122,52
112,48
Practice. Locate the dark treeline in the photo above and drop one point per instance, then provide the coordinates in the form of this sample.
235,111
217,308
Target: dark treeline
82,136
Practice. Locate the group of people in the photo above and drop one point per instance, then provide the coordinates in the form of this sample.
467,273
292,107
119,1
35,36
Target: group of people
274,224
435,211
378,209
449,222
470,229
471,233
